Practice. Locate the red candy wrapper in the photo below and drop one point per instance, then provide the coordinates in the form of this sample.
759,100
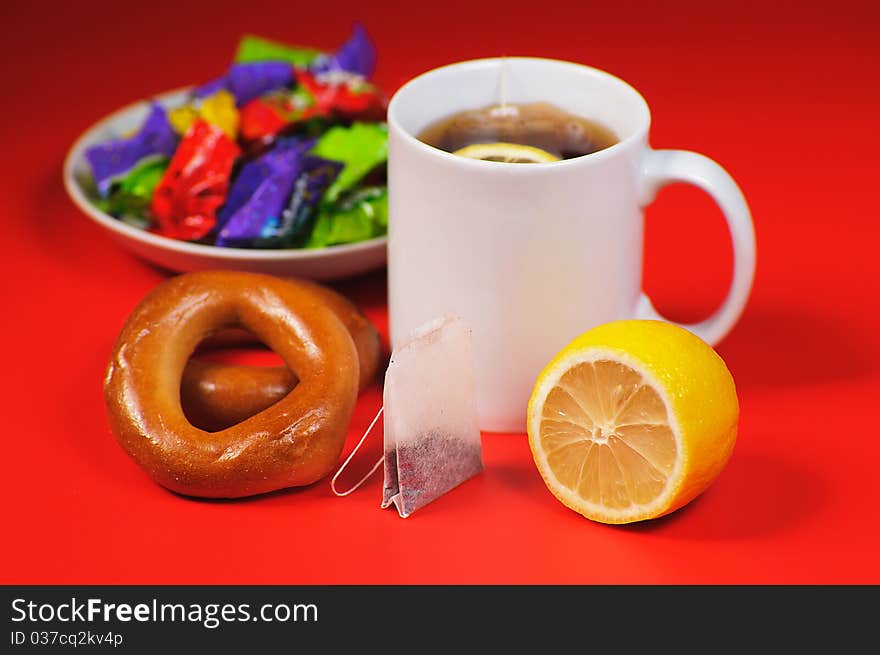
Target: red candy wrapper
262,117
337,93
194,186
344,94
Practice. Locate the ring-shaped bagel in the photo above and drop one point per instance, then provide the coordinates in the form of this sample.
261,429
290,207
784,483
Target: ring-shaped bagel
215,396
295,442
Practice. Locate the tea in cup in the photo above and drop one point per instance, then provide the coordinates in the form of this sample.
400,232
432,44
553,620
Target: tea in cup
534,132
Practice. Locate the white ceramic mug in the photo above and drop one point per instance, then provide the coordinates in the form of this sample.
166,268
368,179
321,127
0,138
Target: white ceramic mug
532,255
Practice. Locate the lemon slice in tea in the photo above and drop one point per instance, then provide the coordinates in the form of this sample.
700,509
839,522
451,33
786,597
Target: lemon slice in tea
512,153
632,420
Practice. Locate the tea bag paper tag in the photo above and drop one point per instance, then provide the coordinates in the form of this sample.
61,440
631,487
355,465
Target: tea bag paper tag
432,439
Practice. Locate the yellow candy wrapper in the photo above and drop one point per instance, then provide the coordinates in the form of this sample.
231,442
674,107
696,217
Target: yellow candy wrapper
217,109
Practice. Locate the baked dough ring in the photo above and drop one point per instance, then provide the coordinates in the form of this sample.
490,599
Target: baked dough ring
215,396
295,442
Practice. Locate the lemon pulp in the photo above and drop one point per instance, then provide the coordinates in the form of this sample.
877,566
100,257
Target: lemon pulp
512,153
606,435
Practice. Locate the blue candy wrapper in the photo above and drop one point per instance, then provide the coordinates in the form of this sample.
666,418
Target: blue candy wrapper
260,193
113,159
250,80
314,176
356,56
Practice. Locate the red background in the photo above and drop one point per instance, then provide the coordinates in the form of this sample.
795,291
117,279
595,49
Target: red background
786,98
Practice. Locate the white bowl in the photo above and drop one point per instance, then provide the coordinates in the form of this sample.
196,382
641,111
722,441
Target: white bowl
181,256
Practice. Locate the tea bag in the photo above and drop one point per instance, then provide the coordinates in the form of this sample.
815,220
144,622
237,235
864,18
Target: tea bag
432,441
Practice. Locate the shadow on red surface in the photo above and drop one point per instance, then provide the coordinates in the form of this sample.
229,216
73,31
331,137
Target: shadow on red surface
757,495
777,347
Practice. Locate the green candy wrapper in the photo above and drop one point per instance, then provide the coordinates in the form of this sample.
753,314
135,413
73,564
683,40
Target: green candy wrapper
129,198
361,215
254,48
361,148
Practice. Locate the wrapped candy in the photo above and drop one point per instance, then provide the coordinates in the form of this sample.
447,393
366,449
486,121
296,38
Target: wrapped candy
254,172
254,48
432,440
360,216
350,96
356,56
361,147
192,188
129,198
248,81
260,193
348,216
267,115
217,109
314,176
114,159
251,80
249,179
262,118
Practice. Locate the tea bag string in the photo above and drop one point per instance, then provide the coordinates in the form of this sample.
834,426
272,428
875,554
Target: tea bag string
352,454
502,83
503,109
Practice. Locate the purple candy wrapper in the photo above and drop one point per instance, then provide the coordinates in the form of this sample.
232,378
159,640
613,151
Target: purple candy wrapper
260,192
250,80
113,159
315,175
357,56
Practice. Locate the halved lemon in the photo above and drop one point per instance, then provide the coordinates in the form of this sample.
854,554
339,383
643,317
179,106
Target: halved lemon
512,153
632,420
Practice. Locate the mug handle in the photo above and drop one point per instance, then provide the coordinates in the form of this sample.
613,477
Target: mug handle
662,167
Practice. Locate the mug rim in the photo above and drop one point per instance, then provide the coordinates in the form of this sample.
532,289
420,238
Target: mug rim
623,144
